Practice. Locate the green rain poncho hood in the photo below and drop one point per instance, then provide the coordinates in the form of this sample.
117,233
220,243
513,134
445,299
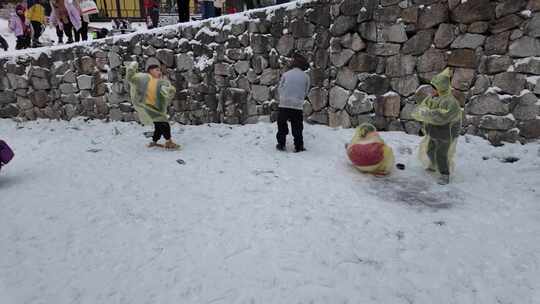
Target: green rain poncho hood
441,117
138,87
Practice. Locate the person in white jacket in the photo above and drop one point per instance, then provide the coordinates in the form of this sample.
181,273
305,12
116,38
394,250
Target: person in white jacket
293,90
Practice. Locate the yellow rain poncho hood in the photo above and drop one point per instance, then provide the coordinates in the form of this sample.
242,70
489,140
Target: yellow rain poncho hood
139,82
441,117
368,152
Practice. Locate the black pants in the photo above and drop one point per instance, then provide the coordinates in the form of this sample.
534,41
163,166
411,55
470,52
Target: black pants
296,117
82,33
60,34
161,129
37,31
154,16
3,43
23,42
68,29
437,152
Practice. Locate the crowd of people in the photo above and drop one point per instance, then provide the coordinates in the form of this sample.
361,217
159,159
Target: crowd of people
70,18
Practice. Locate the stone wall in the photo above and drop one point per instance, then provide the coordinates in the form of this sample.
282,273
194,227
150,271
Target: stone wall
370,59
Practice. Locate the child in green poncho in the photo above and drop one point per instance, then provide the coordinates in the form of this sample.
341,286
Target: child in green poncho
151,95
441,116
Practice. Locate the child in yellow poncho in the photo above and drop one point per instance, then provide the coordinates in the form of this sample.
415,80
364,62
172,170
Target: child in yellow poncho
369,153
151,95
441,116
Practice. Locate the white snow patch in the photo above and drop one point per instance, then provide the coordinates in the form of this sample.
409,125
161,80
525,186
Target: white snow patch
493,90
241,223
526,13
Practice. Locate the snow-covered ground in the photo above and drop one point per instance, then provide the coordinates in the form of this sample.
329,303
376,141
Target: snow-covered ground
242,223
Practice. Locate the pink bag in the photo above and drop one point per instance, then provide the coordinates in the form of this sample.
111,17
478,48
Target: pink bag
88,7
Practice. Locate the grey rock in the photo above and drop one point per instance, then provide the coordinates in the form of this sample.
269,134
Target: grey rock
68,88
479,27
339,119
259,64
342,58
509,7
419,43
261,44
69,77
516,34
410,15
347,78
320,16
40,83
70,99
40,99
241,67
39,72
412,127
405,85
363,62
387,14
526,107
388,105
528,66
24,103
497,64
85,65
9,111
342,25
351,7
269,77
318,97
359,103
184,62
432,60
368,31
506,23
510,82
487,104
7,97
481,84
406,112
444,36
468,41
432,16
394,33
305,44
533,27
285,45
400,65
525,47
464,58
166,57
236,54
383,49
530,128
302,29
473,11
463,78
85,82
375,84
319,118
492,122
115,114
114,60
497,44
260,93
339,97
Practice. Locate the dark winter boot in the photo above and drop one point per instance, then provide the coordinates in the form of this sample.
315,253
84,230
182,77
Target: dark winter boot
280,147
444,179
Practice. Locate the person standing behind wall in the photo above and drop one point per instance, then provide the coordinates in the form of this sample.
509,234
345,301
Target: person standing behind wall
87,7
74,13
151,8
208,9
19,25
36,16
62,18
